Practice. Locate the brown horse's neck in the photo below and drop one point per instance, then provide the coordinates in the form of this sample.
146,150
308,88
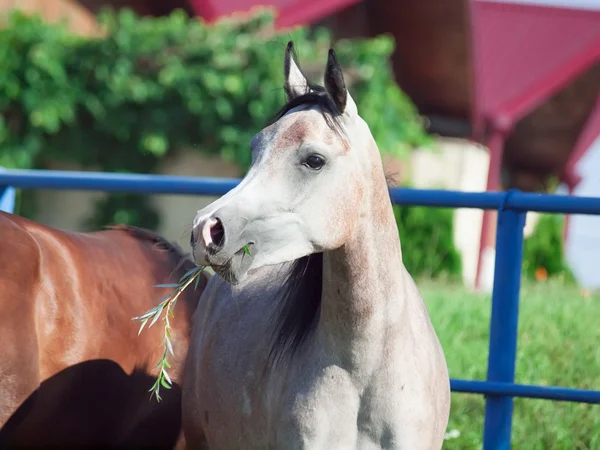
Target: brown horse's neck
363,282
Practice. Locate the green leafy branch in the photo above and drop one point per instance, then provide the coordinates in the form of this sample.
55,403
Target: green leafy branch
150,86
167,303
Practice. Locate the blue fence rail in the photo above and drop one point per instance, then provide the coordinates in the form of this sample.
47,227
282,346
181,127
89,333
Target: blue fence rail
499,389
7,196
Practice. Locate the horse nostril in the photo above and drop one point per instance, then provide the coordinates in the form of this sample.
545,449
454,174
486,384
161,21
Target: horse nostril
192,239
217,233
213,234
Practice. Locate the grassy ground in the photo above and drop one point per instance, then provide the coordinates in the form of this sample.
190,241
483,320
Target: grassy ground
559,345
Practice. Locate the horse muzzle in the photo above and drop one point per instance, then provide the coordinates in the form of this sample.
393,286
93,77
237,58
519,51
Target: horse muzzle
216,245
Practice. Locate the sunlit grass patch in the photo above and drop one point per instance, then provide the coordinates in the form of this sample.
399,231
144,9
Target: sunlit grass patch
559,345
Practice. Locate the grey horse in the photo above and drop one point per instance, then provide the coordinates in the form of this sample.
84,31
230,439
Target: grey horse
311,335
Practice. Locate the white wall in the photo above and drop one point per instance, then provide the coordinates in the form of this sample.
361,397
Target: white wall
582,246
463,166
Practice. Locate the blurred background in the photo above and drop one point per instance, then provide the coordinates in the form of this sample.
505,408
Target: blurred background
469,95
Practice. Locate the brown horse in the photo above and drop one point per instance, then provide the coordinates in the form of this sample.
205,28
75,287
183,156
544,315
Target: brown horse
73,370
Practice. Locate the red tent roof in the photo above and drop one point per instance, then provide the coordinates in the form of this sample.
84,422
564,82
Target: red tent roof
525,50
290,12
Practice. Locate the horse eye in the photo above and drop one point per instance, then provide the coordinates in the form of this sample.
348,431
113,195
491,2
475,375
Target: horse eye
314,162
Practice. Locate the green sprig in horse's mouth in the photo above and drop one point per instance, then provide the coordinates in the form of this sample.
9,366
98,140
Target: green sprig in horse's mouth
167,304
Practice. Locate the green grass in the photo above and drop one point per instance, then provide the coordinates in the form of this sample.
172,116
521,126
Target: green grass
559,345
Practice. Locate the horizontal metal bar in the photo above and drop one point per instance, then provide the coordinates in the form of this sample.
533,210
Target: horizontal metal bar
167,184
111,182
523,390
518,201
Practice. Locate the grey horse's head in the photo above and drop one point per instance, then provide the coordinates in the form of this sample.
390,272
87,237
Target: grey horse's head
305,184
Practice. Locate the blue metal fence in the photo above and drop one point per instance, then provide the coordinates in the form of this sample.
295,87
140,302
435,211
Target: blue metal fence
7,197
499,389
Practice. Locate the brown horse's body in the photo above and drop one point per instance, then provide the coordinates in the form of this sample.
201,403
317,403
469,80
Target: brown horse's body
73,370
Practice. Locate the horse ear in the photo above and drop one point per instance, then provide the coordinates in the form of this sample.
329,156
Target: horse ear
334,82
295,83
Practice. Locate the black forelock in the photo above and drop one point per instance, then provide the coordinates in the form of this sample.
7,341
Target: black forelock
316,96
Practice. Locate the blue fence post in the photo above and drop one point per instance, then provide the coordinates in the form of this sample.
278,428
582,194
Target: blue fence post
7,197
503,325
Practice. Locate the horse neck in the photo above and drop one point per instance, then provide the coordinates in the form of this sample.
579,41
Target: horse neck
363,282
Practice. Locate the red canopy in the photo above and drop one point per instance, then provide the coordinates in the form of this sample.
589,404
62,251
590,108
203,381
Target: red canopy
525,50
290,12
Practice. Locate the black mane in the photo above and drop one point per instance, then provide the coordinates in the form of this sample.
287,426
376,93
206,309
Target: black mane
297,314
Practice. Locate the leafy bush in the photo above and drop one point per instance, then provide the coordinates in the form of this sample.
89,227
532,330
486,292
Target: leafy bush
427,241
122,102
543,254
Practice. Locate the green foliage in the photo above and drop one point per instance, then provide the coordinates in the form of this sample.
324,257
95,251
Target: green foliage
427,242
543,249
150,85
